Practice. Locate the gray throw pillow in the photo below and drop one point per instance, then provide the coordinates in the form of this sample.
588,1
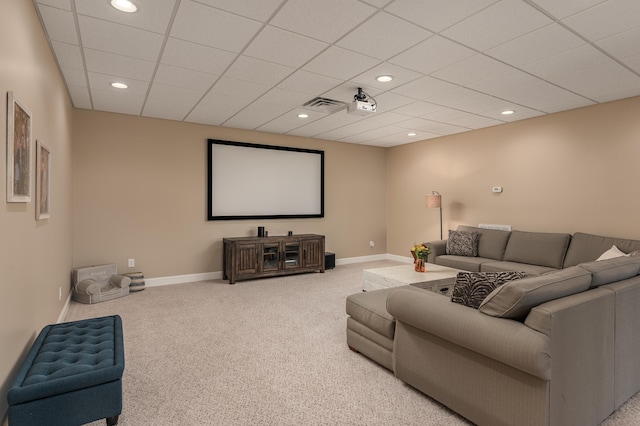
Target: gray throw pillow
471,288
463,243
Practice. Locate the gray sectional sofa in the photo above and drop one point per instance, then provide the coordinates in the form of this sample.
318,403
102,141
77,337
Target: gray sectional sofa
559,347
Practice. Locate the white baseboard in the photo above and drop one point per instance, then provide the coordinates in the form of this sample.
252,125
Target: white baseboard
65,309
183,279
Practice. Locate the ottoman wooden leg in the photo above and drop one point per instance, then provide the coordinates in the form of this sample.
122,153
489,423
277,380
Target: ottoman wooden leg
112,421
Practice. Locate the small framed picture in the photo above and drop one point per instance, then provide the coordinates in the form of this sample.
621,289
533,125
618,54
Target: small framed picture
43,181
18,151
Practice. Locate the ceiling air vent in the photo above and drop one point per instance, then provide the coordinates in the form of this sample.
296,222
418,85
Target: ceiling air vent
324,105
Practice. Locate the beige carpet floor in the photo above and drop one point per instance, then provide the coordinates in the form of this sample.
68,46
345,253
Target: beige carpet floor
263,352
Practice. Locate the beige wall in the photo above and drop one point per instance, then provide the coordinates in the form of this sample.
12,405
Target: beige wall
567,172
35,256
139,191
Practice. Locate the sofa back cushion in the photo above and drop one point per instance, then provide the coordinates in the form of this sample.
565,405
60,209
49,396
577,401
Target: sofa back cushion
588,247
537,248
492,243
516,298
612,270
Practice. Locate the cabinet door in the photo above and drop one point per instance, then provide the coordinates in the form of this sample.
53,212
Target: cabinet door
313,253
292,257
246,259
270,257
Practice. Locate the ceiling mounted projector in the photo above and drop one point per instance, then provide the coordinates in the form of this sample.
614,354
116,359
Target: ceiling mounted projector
363,104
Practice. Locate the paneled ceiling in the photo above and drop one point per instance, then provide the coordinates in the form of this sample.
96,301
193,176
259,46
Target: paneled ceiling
253,64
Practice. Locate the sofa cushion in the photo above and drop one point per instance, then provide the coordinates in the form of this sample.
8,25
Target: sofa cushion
588,247
462,262
501,266
463,243
471,288
612,270
537,248
492,243
515,299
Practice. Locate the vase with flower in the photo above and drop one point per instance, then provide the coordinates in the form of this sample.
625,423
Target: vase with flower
420,254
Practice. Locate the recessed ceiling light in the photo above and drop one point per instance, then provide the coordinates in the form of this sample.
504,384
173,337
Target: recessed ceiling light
303,115
124,6
384,78
119,85
507,112
411,134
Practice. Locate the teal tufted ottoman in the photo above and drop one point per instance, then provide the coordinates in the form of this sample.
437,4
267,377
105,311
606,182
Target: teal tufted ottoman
72,375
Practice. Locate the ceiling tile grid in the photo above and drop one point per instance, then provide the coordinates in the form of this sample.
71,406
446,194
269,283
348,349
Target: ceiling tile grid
252,64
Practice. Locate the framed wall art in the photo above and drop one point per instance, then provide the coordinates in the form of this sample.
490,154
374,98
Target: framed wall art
18,151
43,181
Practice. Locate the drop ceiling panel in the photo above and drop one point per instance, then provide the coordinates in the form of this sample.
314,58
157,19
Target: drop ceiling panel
602,82
213,27
128,103
571,61
284,47
59,24
543,43
564,8
118,65
215,109
290,98
68,55
606,19
462,119
383,36
60,4
416,109
74,76
340,63
622,45
258,10
424,87
289,121
497,24
432,55
471,69
156,16
258,71
116,38
436,15
170,102
309,83
80,97
185,78
232,87
331,18
325,124
196,57
255,115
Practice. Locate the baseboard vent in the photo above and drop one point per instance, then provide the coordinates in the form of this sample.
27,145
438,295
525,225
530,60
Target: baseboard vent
497,227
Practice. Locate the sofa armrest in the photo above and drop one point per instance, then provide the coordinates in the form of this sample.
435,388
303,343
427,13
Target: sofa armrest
582,331
88,286
507,341
438,248
120,281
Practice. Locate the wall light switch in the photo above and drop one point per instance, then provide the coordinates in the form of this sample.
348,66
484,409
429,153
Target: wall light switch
131,263
497,189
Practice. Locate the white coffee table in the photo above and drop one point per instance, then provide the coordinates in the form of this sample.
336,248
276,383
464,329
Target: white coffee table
436,278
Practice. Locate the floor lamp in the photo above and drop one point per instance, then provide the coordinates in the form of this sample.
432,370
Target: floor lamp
434,201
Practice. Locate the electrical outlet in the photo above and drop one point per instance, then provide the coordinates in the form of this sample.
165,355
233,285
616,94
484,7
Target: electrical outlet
131,263
372,243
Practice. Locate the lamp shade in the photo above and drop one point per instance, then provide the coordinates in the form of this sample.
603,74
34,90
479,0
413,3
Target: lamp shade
433,201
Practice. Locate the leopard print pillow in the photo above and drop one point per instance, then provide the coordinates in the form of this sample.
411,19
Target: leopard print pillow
471,288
